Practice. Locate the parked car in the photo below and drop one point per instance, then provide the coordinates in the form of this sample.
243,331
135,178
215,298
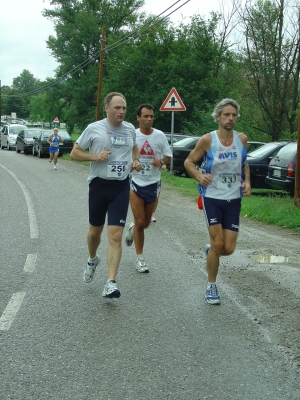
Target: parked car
281,171
181,150
253,146
24,140
9,135
258,161
41,146
176,137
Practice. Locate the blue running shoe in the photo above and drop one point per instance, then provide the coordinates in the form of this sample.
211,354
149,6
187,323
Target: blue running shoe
110,289
207,248
211,295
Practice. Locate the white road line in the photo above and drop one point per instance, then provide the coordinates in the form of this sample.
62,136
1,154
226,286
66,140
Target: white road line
34,232
11,310
30,263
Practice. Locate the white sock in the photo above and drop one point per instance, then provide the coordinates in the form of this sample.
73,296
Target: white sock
91,260
140,256
209,284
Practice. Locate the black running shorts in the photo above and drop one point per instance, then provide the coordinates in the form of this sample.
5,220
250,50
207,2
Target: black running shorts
109,197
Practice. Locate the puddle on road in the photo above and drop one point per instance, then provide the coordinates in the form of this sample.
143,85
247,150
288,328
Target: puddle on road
269,259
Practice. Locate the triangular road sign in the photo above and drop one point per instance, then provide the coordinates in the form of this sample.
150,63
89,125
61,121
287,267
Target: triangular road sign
173,102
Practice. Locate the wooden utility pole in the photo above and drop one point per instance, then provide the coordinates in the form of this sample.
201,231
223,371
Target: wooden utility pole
100,73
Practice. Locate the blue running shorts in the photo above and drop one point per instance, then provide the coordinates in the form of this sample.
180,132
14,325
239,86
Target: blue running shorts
224,212
53,149
148,193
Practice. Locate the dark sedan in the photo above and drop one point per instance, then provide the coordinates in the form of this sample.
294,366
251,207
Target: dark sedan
258,161
281,171
181,150
251,146
24,141
176,137
41,146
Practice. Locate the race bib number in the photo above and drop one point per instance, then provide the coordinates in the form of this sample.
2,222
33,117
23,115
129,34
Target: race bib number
147,168
116,169
227,179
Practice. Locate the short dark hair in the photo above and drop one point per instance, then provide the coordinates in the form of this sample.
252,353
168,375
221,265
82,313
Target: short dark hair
144,105
108,97
223,103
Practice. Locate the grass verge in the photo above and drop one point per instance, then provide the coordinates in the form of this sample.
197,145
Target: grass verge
268,206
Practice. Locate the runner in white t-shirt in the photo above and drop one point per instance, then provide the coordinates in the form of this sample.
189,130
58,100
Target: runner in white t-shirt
145,185
113,154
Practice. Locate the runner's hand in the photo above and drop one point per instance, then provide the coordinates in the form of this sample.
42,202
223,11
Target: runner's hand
246,189
136,165
205,179
103,155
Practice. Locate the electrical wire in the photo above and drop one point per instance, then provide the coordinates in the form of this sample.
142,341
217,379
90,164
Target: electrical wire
152,23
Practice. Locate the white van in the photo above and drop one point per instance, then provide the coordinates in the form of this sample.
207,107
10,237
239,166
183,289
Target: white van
9,135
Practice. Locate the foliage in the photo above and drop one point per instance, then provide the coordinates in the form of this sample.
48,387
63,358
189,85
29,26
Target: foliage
16,98
164,57
269,61
77,46
145,57
276,209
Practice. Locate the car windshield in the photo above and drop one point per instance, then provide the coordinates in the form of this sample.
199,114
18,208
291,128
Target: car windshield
64,134
14,130
30,134
261,151
184,142
288,151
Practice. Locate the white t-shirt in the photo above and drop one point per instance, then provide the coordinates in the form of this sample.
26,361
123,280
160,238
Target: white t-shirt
119,140
150,146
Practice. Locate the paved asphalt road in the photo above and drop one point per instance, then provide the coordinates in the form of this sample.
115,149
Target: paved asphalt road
59,339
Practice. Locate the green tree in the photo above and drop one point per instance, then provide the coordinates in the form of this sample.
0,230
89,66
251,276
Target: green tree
78,26
270,61
188,58
51,103
26,83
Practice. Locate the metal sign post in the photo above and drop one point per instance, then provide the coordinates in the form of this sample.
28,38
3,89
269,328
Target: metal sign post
172,103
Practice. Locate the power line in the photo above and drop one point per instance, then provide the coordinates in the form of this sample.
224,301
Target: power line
152,23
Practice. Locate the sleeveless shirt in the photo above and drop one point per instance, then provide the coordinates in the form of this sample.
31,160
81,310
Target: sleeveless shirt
225,164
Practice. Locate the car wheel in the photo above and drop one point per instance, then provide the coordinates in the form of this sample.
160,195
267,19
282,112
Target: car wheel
40,154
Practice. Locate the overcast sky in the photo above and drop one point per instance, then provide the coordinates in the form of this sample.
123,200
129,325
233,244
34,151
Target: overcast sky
24,32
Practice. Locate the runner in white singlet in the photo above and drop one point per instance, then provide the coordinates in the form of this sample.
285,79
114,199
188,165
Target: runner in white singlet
224,179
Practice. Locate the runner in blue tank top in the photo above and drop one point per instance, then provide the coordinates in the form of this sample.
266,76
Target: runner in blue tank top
54,141
224,180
